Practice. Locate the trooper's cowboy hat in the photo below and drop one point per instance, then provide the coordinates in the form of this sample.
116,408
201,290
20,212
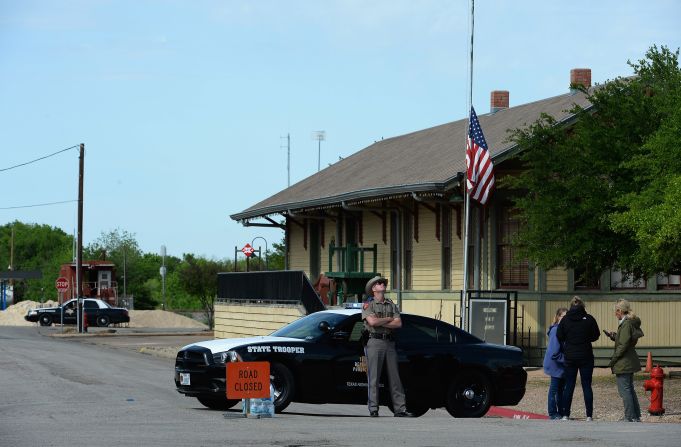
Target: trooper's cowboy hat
375,280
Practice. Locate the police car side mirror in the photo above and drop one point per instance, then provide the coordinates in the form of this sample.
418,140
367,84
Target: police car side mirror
324,326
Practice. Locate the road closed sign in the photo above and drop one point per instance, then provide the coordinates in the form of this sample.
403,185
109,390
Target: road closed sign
248,380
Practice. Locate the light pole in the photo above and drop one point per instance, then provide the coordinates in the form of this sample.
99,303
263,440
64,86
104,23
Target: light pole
320,136
267,267
163,275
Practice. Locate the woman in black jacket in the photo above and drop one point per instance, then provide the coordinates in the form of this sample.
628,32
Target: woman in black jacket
576,331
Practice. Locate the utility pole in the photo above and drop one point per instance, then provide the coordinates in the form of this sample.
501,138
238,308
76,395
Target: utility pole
163,276
79,249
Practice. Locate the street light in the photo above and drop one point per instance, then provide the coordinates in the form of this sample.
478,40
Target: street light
320,136
267,267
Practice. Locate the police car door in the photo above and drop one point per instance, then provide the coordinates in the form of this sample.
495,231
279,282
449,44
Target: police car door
350,366
421,354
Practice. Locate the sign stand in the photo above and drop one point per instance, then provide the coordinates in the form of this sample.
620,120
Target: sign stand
247,380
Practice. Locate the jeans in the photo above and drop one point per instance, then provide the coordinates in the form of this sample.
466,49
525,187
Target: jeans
555,400
586,369
625,386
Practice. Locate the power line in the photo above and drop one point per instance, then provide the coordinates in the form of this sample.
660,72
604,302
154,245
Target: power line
37,204
37,159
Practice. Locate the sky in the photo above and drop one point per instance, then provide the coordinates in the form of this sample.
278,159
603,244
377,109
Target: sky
184,106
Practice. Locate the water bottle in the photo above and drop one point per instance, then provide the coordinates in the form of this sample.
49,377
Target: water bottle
268,404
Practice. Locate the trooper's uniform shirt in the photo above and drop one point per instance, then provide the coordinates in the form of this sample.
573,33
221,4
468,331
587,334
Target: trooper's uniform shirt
380,350
387,308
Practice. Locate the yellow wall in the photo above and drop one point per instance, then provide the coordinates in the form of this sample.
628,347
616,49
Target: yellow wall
299,257
426,254
240,320
457,253
440,309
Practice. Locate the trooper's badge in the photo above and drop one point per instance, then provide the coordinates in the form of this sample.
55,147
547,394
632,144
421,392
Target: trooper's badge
365,306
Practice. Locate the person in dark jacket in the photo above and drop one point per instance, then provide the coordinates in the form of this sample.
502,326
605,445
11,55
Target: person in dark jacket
624,361
576,331
554,360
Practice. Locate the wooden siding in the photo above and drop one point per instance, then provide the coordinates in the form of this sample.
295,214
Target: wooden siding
557,280
427,254
457,252
439,309
237,320
299,258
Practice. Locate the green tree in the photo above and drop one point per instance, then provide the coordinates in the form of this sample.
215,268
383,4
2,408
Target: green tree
198,277
36,247
120,247
586,192
278,255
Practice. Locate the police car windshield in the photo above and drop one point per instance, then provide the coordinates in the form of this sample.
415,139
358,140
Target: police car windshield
307,328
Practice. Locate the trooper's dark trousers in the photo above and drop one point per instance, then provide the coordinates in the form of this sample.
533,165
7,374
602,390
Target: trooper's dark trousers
381,352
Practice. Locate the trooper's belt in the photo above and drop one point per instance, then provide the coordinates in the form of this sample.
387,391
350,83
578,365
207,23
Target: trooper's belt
381,336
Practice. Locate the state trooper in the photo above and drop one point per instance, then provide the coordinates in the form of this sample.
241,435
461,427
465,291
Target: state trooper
381,317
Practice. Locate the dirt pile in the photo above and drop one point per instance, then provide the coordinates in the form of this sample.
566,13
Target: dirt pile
162,319
14,316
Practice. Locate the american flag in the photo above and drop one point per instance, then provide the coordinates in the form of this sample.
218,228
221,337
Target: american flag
479,166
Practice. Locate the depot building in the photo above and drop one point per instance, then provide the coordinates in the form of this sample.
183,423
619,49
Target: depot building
396,208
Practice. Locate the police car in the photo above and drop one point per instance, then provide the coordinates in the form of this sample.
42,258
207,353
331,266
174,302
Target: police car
97,312
320,359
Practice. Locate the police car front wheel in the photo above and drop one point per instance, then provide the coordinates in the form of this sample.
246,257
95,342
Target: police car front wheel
469,395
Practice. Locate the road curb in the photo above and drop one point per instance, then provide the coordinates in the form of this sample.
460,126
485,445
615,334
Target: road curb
131,334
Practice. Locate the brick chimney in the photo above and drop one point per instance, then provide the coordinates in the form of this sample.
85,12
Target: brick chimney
580,76
498,100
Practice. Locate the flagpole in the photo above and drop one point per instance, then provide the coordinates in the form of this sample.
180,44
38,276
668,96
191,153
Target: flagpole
464,311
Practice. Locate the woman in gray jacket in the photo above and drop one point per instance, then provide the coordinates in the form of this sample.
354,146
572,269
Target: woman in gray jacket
624,361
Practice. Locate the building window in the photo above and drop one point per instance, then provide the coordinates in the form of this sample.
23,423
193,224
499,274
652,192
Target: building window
446,234
671,280
512,273
623,280
587,279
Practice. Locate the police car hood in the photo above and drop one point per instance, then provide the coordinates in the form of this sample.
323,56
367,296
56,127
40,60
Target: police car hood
227,344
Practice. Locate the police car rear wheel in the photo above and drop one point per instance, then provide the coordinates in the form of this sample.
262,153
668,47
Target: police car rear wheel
45,320
217,403
283,384
103,320
469,395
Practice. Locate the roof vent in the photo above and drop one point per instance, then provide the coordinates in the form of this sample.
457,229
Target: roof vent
498,100
580,76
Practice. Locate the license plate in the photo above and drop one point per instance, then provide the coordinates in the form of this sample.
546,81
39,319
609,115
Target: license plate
184,379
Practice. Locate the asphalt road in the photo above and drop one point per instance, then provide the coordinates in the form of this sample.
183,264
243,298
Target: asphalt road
74,392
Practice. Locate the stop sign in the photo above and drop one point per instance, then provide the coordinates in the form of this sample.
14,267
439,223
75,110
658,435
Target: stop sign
62,284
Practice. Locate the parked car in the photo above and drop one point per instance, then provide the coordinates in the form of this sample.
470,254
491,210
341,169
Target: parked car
97,312
320,359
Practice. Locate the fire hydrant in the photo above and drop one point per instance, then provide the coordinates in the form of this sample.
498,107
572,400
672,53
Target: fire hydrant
656,385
